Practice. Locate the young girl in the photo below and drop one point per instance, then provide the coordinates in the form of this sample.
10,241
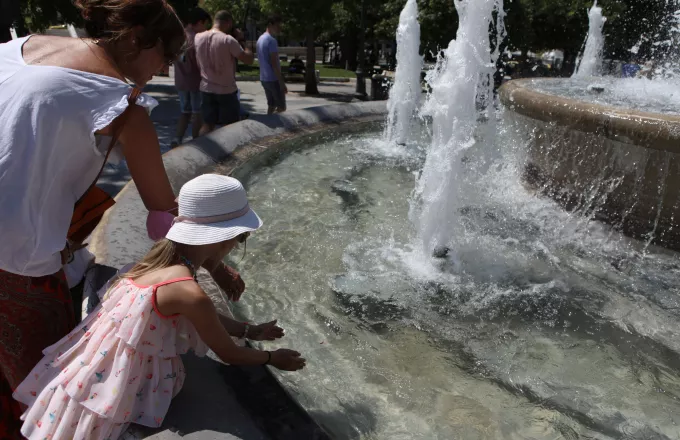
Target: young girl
121,365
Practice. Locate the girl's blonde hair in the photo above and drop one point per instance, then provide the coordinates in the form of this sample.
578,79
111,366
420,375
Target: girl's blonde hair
162,254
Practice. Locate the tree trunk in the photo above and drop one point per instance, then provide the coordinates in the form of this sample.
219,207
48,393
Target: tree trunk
348,47
310,74
9,13
569,64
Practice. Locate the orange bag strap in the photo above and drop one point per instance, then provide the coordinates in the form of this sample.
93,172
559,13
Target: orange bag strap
117,130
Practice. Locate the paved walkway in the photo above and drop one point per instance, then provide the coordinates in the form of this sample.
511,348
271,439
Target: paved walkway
252,99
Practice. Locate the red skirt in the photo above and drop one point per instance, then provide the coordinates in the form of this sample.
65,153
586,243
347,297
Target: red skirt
35,312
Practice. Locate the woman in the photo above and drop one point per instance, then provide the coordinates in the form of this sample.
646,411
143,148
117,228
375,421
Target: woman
59,100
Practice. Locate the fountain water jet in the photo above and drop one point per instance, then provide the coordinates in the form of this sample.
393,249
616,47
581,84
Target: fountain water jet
405,93
590,63
462,87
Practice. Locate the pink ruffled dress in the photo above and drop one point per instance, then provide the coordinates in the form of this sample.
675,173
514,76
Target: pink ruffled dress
121,365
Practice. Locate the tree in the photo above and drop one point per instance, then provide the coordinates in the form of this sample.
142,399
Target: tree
38,15
9,13
438,23
182,7
639,24
549,24
306,19
239,9
34,15
563,24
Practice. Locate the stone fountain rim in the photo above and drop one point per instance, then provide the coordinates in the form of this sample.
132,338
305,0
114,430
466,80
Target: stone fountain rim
650,130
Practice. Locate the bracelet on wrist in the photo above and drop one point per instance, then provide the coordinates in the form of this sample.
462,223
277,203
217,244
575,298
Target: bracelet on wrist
269,358
245,331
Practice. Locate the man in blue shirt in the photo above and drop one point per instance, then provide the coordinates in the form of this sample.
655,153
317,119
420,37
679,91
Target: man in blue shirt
270,68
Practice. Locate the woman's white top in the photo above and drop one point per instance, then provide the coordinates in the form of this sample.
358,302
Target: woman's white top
48,153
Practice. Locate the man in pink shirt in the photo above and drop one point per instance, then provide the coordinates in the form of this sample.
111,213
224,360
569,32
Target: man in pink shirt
217,53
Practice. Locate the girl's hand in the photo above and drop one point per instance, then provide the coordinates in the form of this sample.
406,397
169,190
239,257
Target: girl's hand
265,332
229,281
287,360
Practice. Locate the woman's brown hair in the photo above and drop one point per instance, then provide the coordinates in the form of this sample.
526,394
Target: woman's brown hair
109,21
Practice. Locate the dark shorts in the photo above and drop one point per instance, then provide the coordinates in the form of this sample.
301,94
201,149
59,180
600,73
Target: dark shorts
220,109
274,94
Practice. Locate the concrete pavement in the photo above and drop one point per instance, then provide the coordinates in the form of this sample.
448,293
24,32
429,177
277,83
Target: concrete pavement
253,101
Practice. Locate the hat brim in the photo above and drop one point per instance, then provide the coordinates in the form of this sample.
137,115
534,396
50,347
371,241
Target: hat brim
208,233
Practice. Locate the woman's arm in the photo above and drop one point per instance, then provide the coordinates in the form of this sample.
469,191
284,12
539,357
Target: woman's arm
143,155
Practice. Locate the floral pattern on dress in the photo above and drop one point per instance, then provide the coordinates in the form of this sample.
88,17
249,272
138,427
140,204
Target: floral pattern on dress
120,365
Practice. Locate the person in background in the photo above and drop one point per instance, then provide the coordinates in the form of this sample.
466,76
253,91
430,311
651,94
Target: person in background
217,52
188,77
122,365
62,100
630,69
270,67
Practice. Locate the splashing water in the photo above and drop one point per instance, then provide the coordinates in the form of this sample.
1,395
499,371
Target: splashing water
462,89
590,63
405,93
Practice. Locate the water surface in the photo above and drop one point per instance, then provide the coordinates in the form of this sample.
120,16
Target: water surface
547,326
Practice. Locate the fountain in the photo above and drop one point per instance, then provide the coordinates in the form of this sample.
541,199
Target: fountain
536,322
610,152
590,63
405,92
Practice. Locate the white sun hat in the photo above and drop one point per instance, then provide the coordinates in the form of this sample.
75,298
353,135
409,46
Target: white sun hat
212,209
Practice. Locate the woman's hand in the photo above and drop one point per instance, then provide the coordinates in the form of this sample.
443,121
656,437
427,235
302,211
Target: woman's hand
287,360
265,332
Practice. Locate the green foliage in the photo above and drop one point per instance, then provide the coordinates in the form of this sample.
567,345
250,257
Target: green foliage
239,9
549,24
438,24
301,18
534,25
563,24
38,15
182,7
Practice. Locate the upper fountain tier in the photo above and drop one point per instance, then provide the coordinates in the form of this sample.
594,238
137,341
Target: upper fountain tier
646,113
657,96
612,151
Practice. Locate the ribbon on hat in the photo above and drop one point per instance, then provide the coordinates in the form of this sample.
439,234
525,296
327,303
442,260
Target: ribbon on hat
213,219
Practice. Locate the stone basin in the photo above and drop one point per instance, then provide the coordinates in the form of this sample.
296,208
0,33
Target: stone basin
615,164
